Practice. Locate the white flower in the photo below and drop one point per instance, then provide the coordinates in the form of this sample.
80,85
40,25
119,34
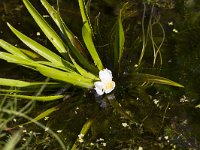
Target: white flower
106,85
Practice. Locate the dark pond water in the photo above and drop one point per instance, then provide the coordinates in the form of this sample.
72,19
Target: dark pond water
134,116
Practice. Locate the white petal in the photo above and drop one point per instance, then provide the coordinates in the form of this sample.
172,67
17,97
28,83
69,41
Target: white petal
105,75
99,87
109,86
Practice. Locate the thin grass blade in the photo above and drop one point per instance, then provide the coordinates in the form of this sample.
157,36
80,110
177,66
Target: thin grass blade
141,77
119,40
12,142
36,98
41,115
19,83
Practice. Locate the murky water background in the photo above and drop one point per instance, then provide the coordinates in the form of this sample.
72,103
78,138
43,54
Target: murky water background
133,117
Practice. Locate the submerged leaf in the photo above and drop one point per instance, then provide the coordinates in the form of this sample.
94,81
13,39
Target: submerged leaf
13,141
119,40
141,77
41,115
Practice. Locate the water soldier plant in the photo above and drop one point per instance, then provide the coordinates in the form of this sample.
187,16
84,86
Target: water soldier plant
71,66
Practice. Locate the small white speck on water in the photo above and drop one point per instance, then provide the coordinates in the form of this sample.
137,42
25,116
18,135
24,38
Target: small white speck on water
38,33
169,61
175,30
59,131
156,102
184,99
125,125
101,139
166,137
136,65
91,144
46,118
170,23
45,16
140,148
80,138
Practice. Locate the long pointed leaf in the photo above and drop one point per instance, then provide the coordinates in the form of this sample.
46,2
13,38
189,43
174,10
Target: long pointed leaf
38,48
119,40
37,98
12,49
72,41
41,115
19,83
141,77
87,35
82,71
72,77
45,27
17,60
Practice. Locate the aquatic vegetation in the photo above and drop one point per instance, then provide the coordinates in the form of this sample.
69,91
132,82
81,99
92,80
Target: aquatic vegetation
70,66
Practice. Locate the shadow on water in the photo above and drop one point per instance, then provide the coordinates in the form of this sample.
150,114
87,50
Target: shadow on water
132,117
